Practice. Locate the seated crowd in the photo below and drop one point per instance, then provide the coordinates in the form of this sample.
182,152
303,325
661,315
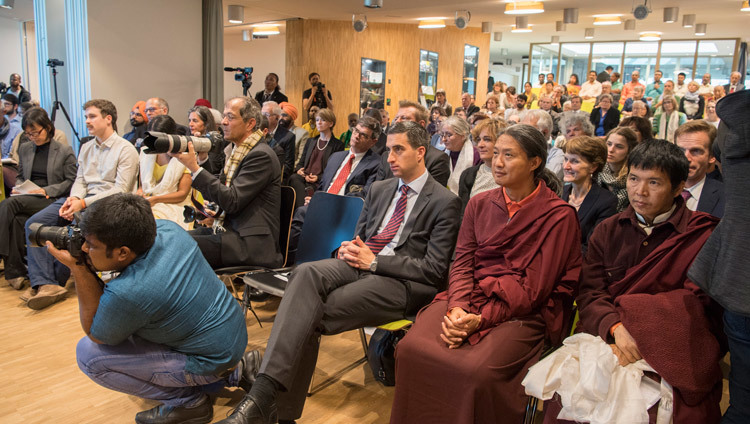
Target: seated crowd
490,228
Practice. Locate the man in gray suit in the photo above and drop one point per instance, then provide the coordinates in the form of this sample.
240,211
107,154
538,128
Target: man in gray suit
734,83
396,264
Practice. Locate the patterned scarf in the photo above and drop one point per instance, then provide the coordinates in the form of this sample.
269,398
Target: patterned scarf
230,168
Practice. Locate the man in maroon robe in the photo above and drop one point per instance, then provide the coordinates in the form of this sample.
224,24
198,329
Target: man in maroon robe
634,291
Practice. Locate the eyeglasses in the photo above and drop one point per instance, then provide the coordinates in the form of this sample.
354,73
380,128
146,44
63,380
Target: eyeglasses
34,134
446,135
151,109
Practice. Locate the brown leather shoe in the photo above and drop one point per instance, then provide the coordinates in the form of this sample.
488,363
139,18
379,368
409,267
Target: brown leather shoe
46,295
18,283
28,294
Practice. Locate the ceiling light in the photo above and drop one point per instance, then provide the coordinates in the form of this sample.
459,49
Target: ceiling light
8,4
570,16
671,14
236,14
524,8
650,36
688,21
555,40
504,51
700,29
374,4
265,29
607,20
560,26
486,27
745,6
629,24
246,35
431,23
520,30
497,36
589,34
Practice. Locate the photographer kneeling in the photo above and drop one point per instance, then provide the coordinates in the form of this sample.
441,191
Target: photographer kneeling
165,328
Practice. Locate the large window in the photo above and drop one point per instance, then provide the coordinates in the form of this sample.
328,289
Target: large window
606,54
574,59
640,56
676,57
543,61
428,69
471,63
715,57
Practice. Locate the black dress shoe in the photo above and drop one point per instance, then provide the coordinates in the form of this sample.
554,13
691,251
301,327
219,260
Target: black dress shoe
164,414
248,412
250,365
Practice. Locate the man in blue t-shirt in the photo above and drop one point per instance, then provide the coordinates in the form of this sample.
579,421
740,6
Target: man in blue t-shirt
165,328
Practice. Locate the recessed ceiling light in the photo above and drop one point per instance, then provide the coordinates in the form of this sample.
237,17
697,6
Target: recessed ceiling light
265,29
519,30
431,23
607,19
745,6
524,8
650,36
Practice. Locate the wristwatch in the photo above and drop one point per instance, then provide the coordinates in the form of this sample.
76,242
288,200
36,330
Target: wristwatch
374,264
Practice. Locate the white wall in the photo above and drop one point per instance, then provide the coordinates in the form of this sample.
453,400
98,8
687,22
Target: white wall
265,55
10,40
144,48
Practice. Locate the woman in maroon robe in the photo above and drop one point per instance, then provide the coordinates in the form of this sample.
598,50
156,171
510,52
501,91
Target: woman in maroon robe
517,264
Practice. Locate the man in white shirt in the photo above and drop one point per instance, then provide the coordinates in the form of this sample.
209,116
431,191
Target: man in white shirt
681,88
592,88
106,165
702,194
705,89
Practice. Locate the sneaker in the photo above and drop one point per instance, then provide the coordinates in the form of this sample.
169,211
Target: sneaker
28,294
46,295
18,283
163,414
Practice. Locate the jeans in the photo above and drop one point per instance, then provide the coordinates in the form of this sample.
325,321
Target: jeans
737,328
148,370
43,267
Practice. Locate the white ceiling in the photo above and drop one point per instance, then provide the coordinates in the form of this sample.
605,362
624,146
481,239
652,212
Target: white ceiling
23,10
723,17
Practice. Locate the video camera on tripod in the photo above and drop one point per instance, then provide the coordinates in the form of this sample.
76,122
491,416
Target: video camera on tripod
245,75
57,104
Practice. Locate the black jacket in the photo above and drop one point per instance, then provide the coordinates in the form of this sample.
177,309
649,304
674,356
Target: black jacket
611,119
277,96
598,205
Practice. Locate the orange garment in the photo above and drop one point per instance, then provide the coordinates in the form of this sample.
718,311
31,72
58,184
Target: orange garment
513,207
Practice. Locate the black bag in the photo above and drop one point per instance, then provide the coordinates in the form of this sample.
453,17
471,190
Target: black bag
380,355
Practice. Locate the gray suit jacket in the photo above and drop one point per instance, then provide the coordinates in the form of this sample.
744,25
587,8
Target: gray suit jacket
739,87
61,167
425,246
721,268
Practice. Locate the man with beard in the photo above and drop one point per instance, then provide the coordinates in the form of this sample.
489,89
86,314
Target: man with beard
17,89
289,114
138,120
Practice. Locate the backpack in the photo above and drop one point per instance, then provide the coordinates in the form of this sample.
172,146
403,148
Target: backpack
380,355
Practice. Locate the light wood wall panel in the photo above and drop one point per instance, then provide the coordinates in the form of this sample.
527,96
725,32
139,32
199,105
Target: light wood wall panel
334,50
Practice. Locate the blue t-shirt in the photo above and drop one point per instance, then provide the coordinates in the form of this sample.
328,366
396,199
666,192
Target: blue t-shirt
171,296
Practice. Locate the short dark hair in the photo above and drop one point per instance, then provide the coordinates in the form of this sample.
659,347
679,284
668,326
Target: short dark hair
122,219
522,97
25,106
698,126
661,155
642,125
681,73
38,116
371,124
608,67
162,123
8,97
415,133
312,74
106,108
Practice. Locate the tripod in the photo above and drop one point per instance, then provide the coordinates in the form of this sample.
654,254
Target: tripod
58,105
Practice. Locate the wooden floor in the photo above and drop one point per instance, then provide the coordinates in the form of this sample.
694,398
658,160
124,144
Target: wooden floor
42,383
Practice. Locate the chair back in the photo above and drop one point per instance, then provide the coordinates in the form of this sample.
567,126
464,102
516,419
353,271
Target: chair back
288,199
330,219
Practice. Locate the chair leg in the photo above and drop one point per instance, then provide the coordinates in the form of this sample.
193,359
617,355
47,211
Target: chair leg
531,407
363,339
247,305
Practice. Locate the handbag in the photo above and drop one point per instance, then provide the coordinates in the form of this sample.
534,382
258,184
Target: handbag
380,355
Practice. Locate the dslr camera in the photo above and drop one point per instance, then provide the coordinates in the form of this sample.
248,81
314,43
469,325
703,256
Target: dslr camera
68,238
320,85
191,214
159,142
55,62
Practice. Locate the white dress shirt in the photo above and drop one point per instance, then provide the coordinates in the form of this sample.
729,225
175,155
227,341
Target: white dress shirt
357,159
105,168
695,195
590,89
415,187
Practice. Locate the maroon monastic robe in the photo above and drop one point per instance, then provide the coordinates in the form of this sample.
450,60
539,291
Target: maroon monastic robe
520,274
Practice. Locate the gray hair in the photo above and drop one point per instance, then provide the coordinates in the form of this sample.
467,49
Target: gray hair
607,96
460,126
571,119
606,83
415,133
250,109
543,120
275,108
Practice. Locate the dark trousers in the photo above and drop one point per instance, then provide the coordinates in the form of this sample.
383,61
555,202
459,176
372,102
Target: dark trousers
10,172
323,297
43,267
737,328
301,187
209,244
294,232
14,211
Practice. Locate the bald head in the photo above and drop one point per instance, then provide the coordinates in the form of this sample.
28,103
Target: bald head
156,106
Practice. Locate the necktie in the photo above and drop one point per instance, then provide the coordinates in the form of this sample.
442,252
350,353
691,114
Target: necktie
343,175
686,195
377,242
731,89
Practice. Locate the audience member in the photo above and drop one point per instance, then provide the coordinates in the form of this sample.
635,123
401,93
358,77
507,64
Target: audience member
317,95
542,121
605,117
620,142
271,91
518,109
680,88
633,289
309,126
541,81
640,125
386,273
531,97
201,122
606,89
479,178
655,89
696,139
289,115
165,182
315,157
467,102
492,107
573,86
640,109
10,109
107,165
15,88
510,288
692,103
605,74
575,125
585,157
616,84
438,163
558,98
138,121
551,78
156,106
705,89
8,132
50,165
666,123
379,146
545,104
437,114
351,120
547,90
147,332
734,83
592,88
460,112
496,89
719,92
441,101
248,192
280,137
629,88
575,106
508,98
711,116
721,267
456,135
668,91
637,95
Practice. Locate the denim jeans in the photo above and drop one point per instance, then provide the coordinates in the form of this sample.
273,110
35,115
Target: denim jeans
147,370
737,328
43,267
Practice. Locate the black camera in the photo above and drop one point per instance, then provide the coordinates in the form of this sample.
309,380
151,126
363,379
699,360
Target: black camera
68,238
191,214
320,85
55,62
159,142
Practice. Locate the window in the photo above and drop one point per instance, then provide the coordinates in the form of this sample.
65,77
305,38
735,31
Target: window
543,61
574,59
372,84
428,69
606,54
640,56
471,63
676,57
715,57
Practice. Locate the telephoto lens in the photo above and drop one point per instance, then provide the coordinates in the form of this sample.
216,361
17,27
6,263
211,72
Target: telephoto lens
67,238
157,142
